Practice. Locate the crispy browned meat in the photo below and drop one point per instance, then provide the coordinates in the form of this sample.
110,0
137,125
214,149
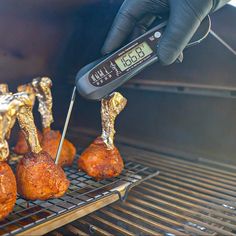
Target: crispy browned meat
50,143
21,146
7,190
99,162
39,178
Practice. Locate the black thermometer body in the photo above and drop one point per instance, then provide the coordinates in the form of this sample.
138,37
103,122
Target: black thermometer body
99,79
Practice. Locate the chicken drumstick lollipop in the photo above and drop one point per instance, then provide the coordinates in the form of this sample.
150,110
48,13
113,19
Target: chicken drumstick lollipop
21,146
51,138
38,177
102,159
8,110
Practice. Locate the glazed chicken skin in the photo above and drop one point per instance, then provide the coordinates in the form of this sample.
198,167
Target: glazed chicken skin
39,178
50,143
99,162
7,190
21,146
51,138
102,160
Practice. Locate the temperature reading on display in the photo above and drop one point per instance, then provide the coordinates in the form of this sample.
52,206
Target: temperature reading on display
133,56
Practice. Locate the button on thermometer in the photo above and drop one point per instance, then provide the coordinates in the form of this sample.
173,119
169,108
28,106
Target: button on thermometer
102,77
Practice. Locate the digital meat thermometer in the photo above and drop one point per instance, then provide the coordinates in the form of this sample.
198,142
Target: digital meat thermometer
101,77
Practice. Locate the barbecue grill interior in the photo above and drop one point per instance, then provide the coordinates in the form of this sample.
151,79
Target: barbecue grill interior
179,119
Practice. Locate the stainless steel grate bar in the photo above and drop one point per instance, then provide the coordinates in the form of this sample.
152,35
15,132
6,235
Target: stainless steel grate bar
176,175
131,152
188,207
207,206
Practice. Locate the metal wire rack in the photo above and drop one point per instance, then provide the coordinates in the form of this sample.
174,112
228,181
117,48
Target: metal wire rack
83,191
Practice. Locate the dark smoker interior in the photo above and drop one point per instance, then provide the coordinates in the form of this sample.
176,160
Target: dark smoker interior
185,111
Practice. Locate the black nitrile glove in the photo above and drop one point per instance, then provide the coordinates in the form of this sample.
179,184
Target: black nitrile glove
185,16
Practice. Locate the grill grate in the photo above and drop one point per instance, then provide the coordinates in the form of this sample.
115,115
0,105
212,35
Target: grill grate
83,190
195,197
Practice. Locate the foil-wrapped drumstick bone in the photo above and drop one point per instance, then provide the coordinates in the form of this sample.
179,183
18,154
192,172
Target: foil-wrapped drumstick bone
42,87
27,88
37,175
8,111
102,159
51,138
4,90
110,109
26,120
21,146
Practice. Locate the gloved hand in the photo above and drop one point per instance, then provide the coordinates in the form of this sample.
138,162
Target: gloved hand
185,16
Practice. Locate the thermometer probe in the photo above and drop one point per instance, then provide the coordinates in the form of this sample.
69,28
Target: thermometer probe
100,78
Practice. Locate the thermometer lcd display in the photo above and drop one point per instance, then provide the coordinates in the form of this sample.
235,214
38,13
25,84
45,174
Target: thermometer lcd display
133,56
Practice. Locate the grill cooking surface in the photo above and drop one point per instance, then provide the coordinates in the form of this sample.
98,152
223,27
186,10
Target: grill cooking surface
187,197
83,191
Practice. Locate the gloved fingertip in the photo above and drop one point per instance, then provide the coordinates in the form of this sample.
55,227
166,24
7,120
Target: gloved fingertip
165,58
108,46
105,50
